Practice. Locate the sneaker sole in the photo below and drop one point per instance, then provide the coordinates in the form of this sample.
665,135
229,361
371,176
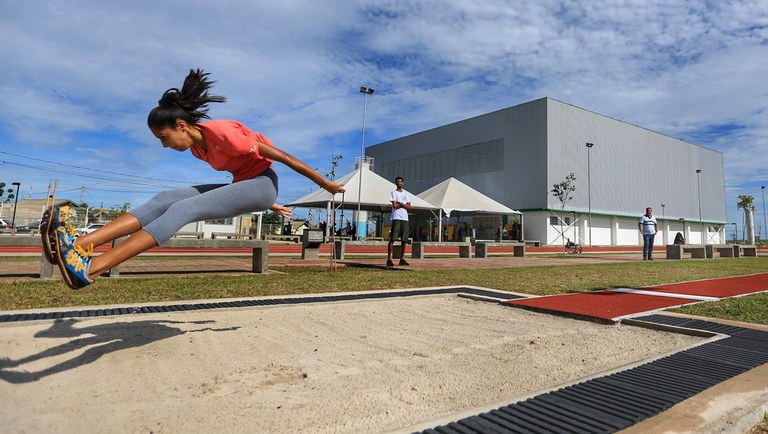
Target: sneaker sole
48,235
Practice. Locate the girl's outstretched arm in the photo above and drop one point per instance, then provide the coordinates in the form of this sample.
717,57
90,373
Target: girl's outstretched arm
299,166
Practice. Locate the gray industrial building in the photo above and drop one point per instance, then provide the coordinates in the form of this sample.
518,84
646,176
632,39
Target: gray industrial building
516,155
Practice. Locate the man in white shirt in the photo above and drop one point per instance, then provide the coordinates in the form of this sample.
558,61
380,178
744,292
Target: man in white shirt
401,203
648,227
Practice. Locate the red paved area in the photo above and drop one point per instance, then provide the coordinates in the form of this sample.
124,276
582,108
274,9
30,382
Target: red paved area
725,287
602,305
611,305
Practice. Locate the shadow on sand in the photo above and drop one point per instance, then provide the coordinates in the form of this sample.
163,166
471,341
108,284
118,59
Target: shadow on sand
99,340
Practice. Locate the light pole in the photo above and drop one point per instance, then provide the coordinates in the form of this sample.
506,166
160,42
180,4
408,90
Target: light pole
589,192
701,222
662,219
735,231
362,222
15,204
682,221
765,226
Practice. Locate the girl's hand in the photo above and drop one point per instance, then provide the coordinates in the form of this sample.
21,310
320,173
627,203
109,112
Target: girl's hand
333,187
281,210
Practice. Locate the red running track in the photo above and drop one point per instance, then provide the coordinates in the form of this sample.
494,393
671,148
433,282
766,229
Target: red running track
612,305
725,287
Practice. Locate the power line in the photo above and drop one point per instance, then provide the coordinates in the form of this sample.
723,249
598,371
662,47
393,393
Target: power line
86,168
85,175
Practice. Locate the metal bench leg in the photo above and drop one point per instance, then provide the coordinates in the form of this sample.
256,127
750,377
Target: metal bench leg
397,250
115,270
519,251
481,250
465,251
260,260
339,248
674,252
417,251
46,268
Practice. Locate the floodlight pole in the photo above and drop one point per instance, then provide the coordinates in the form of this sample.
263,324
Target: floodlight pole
360,227
765,226
701,222
589,192
15,204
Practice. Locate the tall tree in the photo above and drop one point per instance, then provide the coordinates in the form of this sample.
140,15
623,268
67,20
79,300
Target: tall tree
747,203
563,191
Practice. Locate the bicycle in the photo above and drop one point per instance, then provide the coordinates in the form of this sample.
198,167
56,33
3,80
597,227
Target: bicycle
571,247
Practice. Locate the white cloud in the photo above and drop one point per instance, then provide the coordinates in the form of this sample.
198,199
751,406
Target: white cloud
84,81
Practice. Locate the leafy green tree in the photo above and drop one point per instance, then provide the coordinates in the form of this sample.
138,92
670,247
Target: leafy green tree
563,191
270,217
747,203
3,190
118,210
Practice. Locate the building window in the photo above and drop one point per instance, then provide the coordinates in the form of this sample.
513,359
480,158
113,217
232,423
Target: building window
553,220
466,160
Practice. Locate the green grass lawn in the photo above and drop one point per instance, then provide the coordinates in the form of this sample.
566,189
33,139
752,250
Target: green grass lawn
538,280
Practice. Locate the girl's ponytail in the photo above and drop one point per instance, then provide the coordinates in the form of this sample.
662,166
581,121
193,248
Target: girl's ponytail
189,104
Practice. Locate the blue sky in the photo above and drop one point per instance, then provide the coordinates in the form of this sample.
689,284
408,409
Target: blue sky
80,77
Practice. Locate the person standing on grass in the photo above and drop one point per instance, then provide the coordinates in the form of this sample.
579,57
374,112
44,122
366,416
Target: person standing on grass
648,228
401,203
226,145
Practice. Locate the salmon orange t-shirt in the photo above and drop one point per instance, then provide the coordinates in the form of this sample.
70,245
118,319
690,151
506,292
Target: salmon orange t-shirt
232,147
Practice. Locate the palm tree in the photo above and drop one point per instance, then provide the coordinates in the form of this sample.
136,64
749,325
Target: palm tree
746,203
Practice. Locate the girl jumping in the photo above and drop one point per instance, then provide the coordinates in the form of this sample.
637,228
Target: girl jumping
224,145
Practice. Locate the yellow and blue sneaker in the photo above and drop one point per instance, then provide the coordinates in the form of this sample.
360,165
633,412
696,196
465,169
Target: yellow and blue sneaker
53,218
74,261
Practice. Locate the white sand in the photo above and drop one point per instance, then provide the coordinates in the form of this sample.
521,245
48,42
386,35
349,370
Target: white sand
364,366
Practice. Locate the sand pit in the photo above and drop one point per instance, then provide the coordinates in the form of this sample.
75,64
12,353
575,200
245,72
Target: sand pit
363,366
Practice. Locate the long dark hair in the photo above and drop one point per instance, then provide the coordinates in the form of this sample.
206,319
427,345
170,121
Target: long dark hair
189,104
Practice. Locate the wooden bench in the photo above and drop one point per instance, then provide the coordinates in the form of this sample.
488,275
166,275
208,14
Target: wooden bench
481,247
260,259
417,250
260,249
723,250
182,234
675,251
230,236
742,250
46,268
340,246
292,238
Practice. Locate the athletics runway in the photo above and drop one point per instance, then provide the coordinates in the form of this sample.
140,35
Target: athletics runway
615,304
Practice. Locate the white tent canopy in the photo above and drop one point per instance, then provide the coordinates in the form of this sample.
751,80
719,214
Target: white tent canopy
453,195
374,194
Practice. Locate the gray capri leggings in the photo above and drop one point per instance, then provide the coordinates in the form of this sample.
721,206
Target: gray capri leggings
168,211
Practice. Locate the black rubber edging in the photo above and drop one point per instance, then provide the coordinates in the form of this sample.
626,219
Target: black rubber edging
617,401
248,303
